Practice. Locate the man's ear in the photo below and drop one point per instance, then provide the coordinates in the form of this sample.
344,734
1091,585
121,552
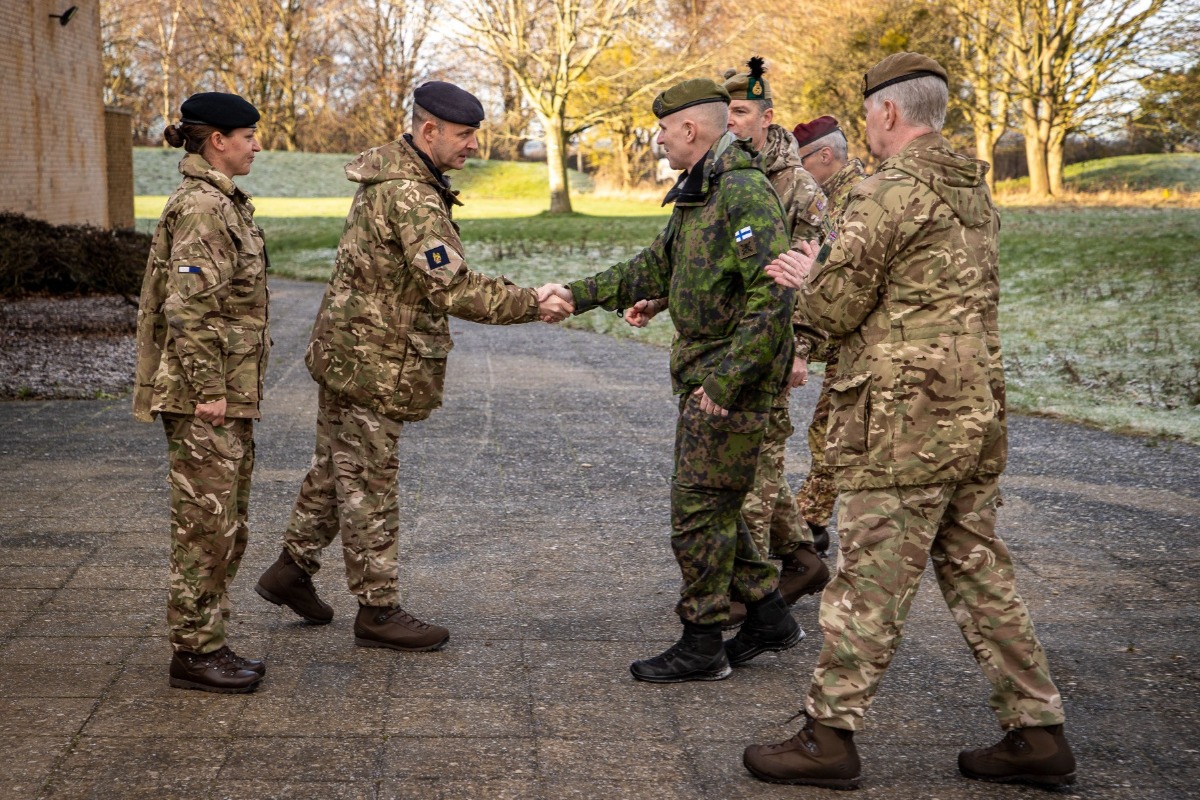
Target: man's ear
689,130
428,128
769,116
891,115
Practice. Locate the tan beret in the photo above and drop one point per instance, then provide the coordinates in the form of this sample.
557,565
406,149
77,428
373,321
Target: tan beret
689,93
750,85
900,67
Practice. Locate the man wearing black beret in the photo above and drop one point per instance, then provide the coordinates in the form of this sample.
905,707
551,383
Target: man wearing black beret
378,351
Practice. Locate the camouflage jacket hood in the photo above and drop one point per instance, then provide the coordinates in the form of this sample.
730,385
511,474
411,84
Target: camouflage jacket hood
730,318
801,196
399,161
953,177
779,151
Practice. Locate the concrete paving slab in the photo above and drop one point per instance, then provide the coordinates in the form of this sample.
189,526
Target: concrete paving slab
535,524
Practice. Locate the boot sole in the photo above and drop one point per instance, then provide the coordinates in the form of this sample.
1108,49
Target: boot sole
841,785
718,675
1035,780
361,642
279,601
767,647
184,683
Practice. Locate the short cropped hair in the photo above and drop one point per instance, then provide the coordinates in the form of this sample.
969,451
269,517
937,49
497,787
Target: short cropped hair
422,115
922,101
712,117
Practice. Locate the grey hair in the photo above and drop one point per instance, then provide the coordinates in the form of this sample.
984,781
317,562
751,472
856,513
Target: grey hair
835,141
922,101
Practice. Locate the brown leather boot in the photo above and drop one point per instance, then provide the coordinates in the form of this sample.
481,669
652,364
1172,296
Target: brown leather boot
816,756
211,672
395,628
252,664
1040,756
285,583
803,573
737,615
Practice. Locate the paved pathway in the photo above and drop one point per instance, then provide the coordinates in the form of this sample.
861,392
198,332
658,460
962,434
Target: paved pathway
535,525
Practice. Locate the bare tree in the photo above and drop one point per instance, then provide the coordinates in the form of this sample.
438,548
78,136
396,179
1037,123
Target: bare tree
985,52
549,47
1065,53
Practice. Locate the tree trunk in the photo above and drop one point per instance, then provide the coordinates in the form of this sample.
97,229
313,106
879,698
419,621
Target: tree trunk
985,150
1035,151
1054,161
556,165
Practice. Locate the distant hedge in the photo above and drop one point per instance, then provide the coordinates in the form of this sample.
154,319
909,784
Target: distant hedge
39,258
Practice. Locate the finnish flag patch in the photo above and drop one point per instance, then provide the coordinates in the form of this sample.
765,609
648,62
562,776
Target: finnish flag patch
745,243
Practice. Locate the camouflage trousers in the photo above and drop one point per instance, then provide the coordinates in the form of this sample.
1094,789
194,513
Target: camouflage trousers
715,461
351,489
770,510
209,475
818,492
887,535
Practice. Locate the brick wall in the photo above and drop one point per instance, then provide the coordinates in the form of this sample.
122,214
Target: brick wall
118,137
53,159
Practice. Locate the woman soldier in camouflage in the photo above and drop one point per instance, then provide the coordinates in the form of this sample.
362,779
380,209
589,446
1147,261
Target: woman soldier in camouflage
202,351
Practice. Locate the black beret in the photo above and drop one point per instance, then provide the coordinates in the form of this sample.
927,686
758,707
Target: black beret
689,93
219,109
447,101
900,67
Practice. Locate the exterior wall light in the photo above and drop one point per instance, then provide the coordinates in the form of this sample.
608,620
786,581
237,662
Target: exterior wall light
65,17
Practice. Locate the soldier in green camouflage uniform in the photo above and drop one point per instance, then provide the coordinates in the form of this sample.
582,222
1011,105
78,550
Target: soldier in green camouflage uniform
378,351
917,436
769,510
202,352
823,149
732,354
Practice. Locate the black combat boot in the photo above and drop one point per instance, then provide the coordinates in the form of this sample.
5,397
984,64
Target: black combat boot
820,538
768,627
817,755
252,664
1040,756
697,656
211,672
285,583
803,573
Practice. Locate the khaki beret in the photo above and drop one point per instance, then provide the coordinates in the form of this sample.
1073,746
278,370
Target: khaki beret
222,110
749,85
689,93
807,132
900,67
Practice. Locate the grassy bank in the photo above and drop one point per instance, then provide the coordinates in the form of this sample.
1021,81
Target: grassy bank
1097,309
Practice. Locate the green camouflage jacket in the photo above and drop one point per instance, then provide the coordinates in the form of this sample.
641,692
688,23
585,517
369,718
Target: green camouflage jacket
803,201
910,279
837,190
202,319
731,319
382,334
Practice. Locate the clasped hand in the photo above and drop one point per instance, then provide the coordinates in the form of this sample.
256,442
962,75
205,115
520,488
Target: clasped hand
791,268
555,302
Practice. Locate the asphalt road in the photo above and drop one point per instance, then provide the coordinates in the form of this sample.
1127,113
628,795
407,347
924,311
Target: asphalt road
535,526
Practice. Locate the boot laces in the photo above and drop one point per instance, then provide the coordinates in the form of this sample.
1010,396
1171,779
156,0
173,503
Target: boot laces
406,618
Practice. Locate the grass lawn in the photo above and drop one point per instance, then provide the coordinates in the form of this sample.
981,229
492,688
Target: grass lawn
1098,304
1176,172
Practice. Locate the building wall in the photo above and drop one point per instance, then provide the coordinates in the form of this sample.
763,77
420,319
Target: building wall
118,137
52,140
